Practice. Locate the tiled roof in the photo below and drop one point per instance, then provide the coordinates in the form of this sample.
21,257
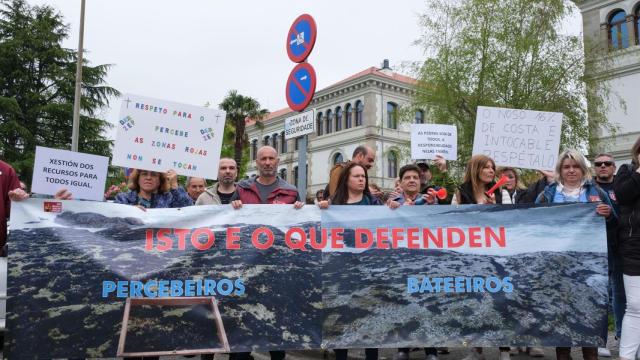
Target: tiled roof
372,70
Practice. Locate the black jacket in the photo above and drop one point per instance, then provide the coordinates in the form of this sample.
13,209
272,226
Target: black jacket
530,195
467,197
627,189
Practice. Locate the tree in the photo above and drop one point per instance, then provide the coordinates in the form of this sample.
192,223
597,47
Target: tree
506,53
238,108
37,84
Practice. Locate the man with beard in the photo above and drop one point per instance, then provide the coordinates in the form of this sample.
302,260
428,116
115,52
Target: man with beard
223,190
267,187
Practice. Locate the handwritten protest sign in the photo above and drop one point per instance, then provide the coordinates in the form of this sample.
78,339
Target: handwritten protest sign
83,175
429,140
519,138
159,135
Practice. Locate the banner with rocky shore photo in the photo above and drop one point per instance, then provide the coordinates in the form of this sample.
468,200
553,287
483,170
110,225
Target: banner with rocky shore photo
91,279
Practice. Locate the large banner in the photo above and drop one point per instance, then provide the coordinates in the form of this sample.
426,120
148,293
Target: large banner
90,279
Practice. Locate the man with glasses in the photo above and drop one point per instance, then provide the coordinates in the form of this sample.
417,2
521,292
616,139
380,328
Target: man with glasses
605,168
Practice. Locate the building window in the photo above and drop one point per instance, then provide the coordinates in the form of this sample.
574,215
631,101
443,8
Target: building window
618,34
337,158
349,110
419,117
392,115
392,165
283,143
319,124
359,111
254,149
265,142
274,141
329,123
295,176
338,118
283,174
637,23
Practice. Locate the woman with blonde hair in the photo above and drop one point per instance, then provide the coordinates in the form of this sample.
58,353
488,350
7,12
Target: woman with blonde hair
152,189
573,183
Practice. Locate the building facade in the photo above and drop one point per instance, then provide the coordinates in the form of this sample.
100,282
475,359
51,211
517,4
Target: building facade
362,109
611,37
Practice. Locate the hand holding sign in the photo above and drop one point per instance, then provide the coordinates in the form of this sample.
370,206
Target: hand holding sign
518,138
431,141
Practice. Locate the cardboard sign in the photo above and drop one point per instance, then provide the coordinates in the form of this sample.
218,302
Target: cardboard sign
299,125
83,175
429,140
160,135
518,138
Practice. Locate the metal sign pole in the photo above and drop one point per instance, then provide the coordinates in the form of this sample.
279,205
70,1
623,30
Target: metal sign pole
302,168
75,131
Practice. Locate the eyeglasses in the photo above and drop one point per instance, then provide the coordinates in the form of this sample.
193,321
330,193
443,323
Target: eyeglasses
605,163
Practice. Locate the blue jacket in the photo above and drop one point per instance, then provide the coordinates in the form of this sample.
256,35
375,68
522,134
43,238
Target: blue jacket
592,191
174,198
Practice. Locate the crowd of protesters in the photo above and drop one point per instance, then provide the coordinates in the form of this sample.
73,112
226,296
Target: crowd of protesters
617,195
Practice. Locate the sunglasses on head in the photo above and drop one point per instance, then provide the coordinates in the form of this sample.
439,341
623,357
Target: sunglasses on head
605,163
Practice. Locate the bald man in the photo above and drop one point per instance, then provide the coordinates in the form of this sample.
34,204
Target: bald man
267,187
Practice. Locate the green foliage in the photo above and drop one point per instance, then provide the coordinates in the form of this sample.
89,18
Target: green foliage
505,53
235,143
37,85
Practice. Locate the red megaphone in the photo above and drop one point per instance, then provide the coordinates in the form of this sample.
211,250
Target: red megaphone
440,194
503,180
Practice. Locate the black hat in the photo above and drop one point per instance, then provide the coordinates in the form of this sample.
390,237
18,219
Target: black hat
423,165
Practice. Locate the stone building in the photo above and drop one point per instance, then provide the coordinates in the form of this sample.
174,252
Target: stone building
611,38
361,109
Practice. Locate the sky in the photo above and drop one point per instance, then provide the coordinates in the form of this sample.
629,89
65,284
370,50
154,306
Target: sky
195,51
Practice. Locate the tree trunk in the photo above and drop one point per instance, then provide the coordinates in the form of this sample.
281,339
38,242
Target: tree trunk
239,141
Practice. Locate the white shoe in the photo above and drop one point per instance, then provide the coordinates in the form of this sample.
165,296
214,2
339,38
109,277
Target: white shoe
504,355
474,355
536,351
604,352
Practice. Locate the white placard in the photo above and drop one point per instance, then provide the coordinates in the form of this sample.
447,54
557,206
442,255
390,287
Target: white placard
83,175
518,138
160,135
300,124
429,140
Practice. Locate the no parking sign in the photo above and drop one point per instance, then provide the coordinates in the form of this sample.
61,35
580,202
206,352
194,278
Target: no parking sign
301,38
301,86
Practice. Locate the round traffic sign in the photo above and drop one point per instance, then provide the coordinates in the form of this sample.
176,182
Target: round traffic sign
301,38
301,86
